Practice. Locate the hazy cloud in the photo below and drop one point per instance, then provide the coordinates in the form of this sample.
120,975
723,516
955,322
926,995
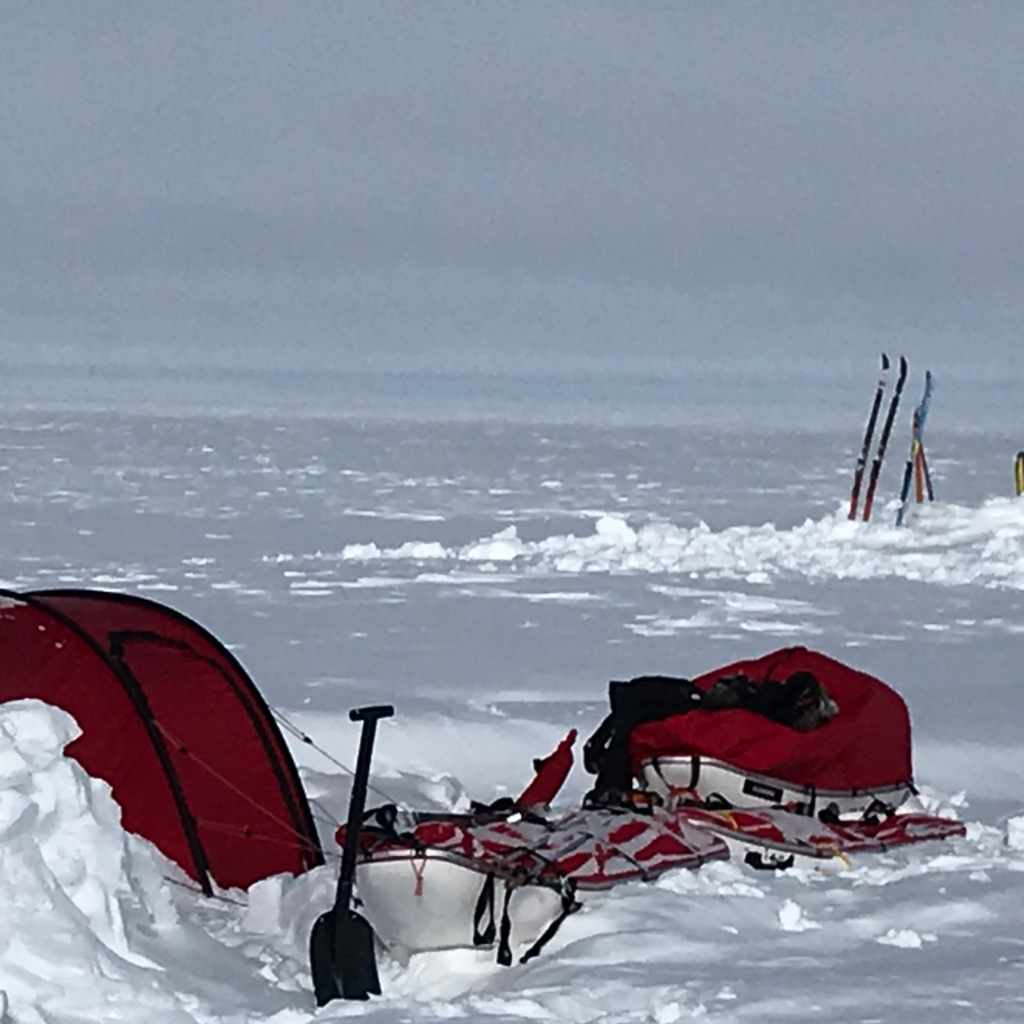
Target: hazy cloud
512,178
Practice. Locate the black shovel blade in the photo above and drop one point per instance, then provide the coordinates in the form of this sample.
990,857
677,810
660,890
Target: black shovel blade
321,959
342,960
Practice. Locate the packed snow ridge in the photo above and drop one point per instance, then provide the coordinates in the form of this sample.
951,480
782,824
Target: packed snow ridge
951,545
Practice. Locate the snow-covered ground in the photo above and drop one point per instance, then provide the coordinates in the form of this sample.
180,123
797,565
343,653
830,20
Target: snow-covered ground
489,578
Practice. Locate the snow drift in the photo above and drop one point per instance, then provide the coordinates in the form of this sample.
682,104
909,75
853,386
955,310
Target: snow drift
951,545
95,924
72,882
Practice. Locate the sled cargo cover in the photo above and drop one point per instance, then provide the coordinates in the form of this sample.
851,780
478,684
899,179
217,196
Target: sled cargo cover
172,722
865,746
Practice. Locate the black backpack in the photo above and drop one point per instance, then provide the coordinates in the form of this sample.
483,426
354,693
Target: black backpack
643,699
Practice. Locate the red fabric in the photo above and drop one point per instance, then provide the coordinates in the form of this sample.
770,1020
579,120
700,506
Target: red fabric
866,745
551,775
45,659
236,775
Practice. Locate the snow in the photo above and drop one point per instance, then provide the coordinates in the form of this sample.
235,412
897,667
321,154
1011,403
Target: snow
489,581
73,885
1015,833
952,546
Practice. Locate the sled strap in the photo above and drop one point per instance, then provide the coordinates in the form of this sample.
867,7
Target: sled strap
485,934
569,906
382,823
504,945
484,906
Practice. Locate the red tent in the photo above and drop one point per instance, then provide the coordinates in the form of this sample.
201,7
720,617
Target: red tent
866,746
172,721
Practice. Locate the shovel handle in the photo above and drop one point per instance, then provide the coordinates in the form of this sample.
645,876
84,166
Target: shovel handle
369,716
341,945
371,713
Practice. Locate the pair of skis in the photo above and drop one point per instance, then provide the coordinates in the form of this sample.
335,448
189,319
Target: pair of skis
883,442
916,467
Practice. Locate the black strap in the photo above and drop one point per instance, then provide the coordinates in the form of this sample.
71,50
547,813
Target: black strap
381,823
484,906
385,818
569,906
484,934
504,945
876,811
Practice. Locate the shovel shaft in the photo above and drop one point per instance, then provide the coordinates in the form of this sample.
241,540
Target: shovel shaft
357,802
341,952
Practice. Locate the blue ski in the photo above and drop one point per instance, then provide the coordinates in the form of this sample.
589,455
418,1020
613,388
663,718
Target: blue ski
916,447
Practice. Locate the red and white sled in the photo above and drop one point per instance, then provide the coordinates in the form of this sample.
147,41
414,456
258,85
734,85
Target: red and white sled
778,830
444,881
507,878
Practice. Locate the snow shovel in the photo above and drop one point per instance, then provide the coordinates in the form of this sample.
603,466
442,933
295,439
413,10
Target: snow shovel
341,952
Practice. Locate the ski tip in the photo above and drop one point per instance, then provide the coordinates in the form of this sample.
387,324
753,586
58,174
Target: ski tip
902,375
885,361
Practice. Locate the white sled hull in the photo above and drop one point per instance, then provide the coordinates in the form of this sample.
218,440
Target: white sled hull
703,779
420,902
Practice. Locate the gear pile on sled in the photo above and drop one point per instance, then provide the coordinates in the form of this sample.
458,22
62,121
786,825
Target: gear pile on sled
793,754
794,729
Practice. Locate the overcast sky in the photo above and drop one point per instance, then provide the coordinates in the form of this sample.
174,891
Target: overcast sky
497,184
